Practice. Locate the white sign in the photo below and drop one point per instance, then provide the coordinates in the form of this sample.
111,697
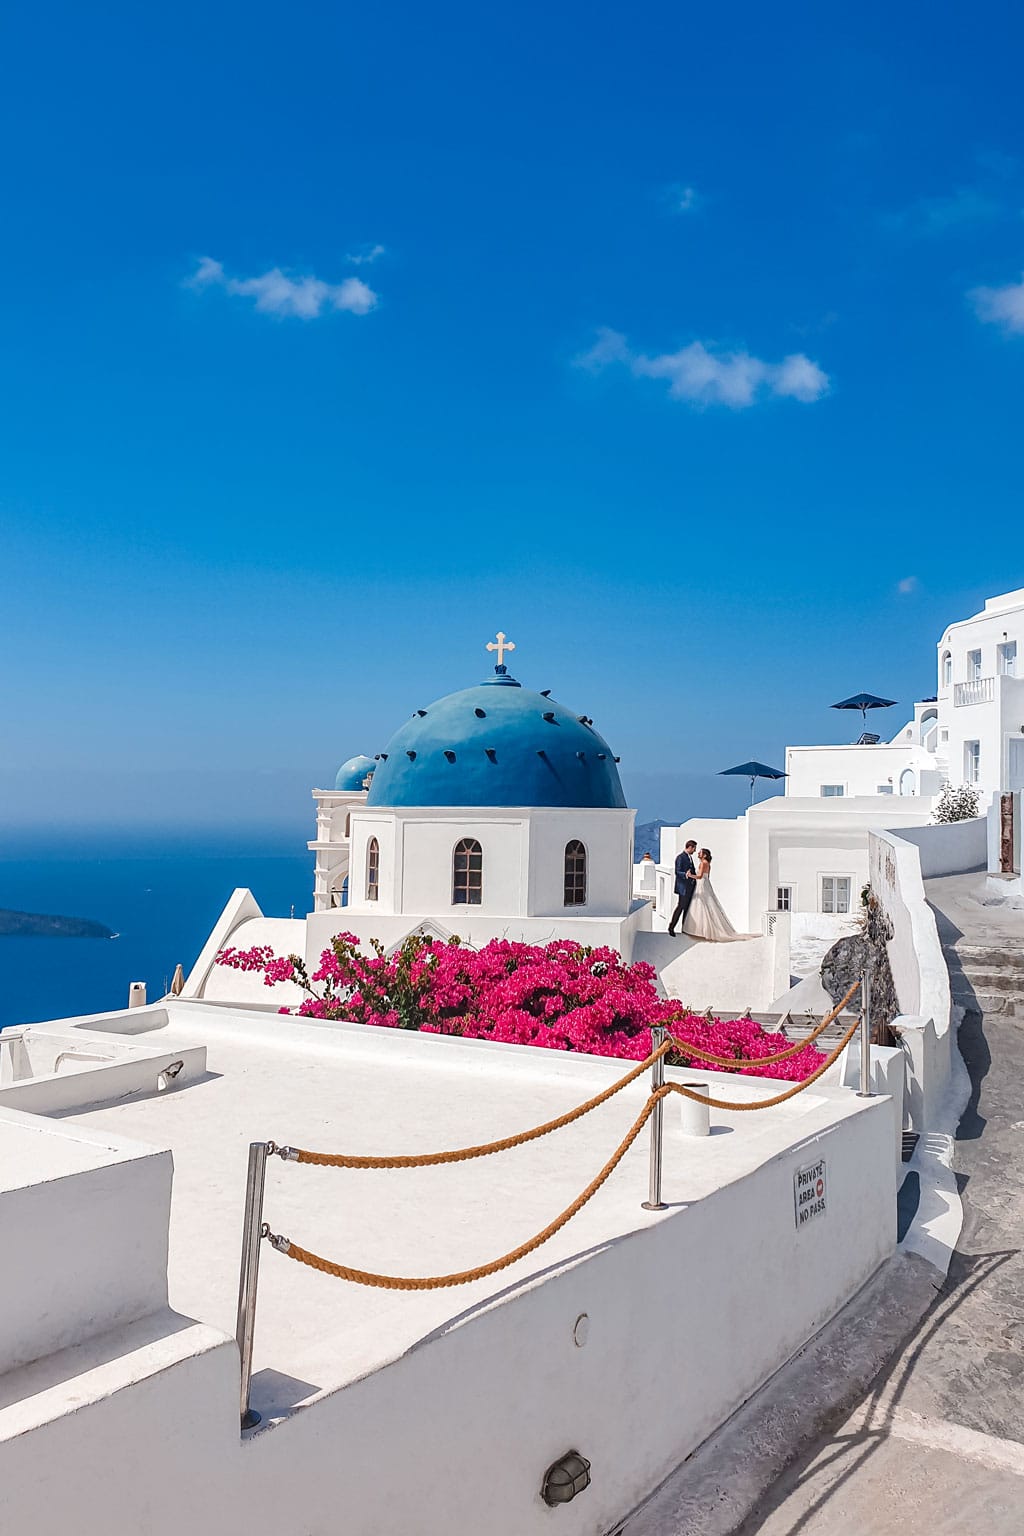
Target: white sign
810,1192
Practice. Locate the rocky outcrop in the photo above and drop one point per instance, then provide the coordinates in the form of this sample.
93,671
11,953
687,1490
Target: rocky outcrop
849,958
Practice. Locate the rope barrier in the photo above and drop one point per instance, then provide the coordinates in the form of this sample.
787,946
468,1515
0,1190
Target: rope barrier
432,1159
765,1061
506,1143
466,1276
779,1098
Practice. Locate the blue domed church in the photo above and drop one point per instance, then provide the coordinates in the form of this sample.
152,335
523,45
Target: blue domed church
495,811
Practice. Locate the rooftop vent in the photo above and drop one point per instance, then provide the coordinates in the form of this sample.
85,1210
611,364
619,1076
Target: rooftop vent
549,714
449,754
480,713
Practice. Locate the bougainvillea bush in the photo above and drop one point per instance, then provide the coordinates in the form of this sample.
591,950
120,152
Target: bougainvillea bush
564,995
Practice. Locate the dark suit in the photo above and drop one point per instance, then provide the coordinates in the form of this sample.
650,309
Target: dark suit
685,887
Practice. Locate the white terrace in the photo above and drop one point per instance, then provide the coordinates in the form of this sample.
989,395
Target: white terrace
629,1337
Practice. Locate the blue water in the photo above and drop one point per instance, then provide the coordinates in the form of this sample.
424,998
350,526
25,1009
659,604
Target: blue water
161,897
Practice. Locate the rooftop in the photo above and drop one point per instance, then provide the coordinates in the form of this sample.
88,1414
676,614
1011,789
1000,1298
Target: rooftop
350,1088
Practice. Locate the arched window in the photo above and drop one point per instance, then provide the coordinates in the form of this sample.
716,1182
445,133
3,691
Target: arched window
467,873
372,869
947,669
575,874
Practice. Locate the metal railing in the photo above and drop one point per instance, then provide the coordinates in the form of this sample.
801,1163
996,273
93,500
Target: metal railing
980,690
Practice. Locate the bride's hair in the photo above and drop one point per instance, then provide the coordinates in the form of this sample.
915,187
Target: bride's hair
705,853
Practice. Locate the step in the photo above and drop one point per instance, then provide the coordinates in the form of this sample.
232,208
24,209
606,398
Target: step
994,984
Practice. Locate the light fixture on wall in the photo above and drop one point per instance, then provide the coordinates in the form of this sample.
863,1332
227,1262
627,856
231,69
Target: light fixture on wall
565,1478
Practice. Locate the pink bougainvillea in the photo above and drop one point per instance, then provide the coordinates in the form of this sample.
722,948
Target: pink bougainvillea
564,996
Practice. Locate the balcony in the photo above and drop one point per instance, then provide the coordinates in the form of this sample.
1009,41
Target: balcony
980,690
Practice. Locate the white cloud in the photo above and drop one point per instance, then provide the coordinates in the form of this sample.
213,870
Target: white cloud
703,377
908,584
1000,306
275,293
366,257
684,199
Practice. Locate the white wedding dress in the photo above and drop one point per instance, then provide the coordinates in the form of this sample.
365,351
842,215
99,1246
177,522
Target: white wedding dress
706,917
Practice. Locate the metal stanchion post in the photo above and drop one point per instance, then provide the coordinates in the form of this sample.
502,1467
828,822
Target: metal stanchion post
654,1202
864,1091
252,1233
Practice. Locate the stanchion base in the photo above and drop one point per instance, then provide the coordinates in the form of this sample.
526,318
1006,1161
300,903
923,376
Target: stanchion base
649,1205
868,1095
251,1419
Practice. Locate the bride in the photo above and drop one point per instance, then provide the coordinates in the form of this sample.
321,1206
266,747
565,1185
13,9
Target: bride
706,917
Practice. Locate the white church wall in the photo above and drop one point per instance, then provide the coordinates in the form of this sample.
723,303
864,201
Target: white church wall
427,849
387,830
523,861
608,839
476,928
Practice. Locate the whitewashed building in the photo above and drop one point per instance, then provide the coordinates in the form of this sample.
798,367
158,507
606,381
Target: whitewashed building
980,705
806,851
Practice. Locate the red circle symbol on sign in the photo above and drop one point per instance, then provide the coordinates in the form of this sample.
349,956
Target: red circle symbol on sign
820,1188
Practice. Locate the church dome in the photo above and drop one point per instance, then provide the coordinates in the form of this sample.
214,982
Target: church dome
497,744
352,775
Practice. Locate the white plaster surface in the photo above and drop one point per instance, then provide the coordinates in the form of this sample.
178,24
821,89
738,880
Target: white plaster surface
667,1294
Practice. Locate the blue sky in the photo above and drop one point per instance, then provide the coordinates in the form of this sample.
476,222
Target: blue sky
684,344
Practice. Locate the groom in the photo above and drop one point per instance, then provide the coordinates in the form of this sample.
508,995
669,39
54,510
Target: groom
686,884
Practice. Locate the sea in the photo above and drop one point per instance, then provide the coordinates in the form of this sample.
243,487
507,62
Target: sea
160,893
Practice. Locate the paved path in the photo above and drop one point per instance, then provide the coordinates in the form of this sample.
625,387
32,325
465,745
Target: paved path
938,1445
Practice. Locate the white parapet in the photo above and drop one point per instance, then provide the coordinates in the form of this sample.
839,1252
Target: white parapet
84,1217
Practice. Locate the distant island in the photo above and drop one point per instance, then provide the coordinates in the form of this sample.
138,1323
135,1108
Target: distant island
41,925
647,837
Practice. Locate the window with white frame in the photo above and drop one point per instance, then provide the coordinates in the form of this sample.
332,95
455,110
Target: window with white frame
1008,658
947,669
835,893
973,666
832,791
972,761
784,898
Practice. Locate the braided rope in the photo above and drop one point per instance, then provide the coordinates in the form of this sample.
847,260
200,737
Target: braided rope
433,1159
779,1098
765,1061
464,1277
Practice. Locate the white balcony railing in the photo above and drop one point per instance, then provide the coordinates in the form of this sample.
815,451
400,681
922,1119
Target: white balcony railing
980,690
